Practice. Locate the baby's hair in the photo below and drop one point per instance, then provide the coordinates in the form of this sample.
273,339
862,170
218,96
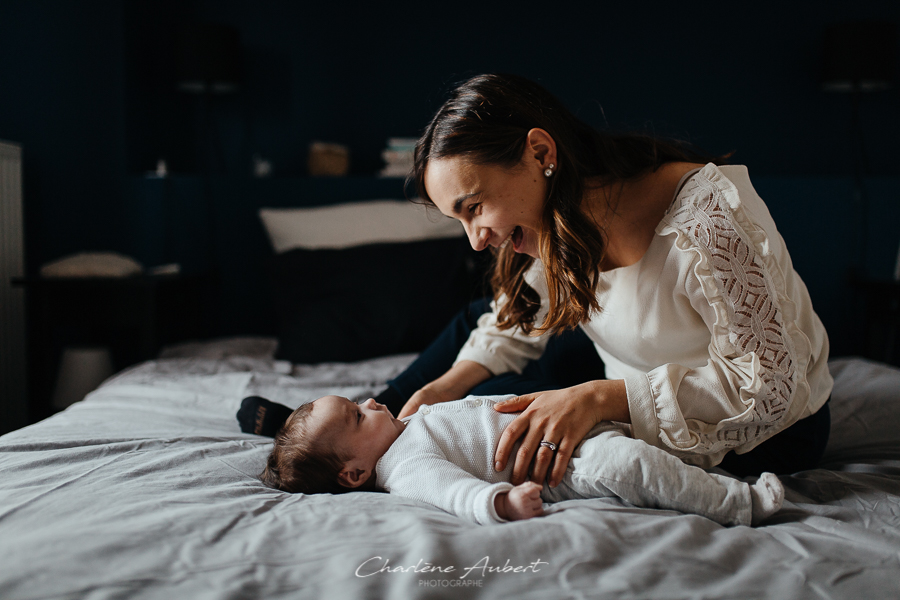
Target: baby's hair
302,462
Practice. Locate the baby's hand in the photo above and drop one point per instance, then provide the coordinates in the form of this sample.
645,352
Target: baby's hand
522,502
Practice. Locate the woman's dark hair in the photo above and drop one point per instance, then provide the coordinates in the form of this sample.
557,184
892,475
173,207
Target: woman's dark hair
302,463
486,120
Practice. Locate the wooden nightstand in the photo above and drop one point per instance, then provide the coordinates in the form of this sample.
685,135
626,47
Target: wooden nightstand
132,316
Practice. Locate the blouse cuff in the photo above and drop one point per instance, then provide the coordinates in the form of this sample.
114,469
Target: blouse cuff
486,359
642,406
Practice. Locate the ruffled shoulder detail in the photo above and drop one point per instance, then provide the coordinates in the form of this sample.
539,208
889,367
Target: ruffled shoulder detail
754,316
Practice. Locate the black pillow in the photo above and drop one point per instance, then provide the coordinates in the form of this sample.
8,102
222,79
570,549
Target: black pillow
368,301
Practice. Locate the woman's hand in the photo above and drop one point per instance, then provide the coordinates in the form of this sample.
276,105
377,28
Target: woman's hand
452,385
562,417
421,398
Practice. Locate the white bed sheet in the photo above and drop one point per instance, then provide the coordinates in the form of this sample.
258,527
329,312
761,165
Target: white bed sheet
147,489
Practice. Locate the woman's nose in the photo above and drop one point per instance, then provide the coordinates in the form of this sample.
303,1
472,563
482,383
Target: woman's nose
478,237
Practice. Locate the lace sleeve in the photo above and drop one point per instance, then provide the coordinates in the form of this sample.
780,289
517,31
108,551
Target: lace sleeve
758,355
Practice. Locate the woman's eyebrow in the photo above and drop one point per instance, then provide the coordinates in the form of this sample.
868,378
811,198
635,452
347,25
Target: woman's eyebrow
457,206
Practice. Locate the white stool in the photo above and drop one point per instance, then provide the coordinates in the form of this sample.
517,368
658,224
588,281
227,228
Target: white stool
81,371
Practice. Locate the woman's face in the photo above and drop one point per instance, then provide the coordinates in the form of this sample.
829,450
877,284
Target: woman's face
496,205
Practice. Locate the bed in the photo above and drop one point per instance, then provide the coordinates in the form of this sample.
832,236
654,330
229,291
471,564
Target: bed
148,489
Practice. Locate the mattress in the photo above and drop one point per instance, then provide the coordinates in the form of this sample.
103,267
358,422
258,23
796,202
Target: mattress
147,489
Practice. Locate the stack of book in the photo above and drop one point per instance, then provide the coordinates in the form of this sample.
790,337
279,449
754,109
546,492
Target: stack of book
398,157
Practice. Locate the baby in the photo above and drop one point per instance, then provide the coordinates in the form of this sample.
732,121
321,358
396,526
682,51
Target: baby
443,455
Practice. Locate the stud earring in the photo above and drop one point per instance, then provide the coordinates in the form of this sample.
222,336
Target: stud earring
549,170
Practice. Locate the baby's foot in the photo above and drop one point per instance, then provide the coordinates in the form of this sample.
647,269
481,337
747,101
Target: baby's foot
767,495
262,417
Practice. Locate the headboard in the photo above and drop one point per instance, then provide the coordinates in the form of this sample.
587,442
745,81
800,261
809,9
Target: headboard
214,225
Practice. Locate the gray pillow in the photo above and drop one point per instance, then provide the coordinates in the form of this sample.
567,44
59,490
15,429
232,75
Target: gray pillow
865,411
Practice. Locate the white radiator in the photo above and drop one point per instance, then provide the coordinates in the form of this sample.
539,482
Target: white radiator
13,402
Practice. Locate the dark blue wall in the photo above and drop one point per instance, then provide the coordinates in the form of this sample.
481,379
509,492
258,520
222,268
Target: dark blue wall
743,79
62,96
87,89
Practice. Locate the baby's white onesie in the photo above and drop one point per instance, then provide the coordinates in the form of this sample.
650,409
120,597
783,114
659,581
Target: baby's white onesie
445,457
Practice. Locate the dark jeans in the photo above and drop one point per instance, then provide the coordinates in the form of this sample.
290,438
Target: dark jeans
569,359
798,448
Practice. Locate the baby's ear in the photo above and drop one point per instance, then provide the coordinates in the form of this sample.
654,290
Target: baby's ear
352,477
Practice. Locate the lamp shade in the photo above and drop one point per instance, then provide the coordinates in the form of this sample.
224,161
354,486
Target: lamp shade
859,56
208,58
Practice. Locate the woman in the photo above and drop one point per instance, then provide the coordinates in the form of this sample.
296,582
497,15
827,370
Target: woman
672,267
642,251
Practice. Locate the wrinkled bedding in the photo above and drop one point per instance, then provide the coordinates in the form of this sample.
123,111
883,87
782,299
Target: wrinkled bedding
147,489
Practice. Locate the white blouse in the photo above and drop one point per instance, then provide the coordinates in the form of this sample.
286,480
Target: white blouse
712,330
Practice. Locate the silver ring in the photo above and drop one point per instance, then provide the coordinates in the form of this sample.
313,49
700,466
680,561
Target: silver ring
550,445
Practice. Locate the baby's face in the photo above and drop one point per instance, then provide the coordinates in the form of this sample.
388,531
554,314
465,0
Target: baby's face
364,431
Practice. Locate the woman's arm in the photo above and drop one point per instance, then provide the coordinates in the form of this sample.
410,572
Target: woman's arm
768,351
562,417
452,385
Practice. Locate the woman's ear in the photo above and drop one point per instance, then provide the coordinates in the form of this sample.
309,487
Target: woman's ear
541,147
352,477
